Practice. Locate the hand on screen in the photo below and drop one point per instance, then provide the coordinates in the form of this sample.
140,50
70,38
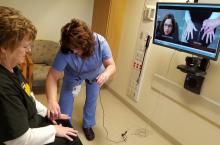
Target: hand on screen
189,30
208,27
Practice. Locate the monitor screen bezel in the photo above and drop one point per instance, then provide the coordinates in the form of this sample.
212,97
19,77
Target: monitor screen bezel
175,48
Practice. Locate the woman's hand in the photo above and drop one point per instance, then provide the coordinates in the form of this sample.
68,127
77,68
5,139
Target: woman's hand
102,78
109,65
189,30
63,117
65,132
208,27
53,111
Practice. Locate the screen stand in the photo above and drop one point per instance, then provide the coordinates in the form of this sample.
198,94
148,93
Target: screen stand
195,68
195,1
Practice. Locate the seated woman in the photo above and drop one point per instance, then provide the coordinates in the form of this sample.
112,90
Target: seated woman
23,119
167,29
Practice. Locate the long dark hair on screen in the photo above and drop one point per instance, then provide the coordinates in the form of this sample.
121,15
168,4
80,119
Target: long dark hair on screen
168,16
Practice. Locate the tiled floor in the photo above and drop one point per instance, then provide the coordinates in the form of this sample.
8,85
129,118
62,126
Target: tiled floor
117,119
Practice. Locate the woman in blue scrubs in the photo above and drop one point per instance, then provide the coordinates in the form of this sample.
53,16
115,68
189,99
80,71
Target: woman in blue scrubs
84,55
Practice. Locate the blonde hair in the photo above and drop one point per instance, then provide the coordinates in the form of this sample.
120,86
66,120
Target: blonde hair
14,28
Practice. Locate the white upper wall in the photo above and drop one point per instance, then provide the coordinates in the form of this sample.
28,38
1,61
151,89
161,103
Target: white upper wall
50,15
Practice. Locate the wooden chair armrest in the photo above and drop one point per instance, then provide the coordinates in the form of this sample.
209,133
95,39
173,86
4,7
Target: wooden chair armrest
29,59
29,70
23,67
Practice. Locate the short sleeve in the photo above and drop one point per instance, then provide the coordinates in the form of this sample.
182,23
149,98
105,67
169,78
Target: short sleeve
13,117
106,51
60,62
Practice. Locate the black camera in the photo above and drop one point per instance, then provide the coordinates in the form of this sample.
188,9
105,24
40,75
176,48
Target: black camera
195,69
193,83
192,61
196,63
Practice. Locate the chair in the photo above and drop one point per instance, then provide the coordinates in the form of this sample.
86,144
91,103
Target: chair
26,68
42,56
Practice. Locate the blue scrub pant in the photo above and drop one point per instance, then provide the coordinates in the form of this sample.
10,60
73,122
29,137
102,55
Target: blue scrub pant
67,99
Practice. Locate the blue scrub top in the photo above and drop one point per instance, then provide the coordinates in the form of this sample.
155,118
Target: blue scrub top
77,69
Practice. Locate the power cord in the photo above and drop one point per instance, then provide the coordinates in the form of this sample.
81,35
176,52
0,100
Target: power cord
168,69
141,132
123,135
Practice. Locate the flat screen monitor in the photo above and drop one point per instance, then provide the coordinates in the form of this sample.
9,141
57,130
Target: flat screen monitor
190,27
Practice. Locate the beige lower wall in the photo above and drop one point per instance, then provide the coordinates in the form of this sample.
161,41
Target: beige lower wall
188,118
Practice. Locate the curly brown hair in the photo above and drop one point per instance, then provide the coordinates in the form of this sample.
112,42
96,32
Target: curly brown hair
7,11
76,34
14,28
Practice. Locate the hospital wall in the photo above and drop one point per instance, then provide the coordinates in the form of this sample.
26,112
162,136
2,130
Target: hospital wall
182,116
50,15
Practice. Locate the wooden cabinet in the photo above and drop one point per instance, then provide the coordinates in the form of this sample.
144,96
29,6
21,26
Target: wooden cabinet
108,17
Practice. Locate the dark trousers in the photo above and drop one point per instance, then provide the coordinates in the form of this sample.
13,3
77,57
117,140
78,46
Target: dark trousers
64,141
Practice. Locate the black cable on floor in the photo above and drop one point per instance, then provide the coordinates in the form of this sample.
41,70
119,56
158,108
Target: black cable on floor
124,137
140,132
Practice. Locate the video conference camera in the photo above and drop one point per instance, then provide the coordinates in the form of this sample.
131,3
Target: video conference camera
196,70
194,65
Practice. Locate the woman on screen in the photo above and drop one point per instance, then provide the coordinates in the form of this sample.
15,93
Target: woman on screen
167,29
